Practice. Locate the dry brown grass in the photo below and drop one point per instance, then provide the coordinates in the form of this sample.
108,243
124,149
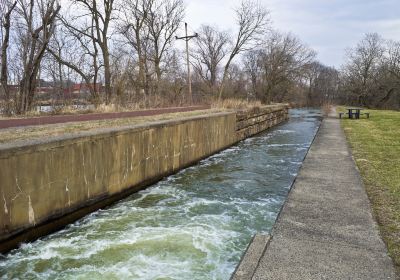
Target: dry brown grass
326,109
232,103
102,108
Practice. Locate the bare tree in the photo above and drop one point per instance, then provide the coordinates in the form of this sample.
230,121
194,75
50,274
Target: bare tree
252,20
285,60
253,69
79,53
314,71
362,65
211,48
236,82
134,56
323,84
164,19
6,8
97,28
388,78
133,28
123,82
176,77
371,74
35,28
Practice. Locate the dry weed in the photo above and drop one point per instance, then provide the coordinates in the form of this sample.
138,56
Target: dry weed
233,103
326,109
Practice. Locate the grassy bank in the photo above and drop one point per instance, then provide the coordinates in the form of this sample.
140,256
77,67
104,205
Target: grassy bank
375,143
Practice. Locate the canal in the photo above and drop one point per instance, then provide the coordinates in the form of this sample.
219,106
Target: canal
195,224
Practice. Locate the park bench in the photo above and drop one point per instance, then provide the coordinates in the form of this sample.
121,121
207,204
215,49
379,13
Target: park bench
366,114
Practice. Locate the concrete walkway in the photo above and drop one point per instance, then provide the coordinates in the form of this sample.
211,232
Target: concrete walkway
326,229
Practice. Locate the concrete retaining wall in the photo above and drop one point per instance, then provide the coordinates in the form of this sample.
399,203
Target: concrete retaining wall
44,186
251,122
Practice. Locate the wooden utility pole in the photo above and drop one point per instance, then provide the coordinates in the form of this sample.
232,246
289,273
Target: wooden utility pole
189,81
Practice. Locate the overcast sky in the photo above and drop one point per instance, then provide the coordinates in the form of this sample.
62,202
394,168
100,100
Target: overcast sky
328,26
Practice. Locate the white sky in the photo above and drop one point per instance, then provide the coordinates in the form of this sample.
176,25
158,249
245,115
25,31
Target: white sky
328,26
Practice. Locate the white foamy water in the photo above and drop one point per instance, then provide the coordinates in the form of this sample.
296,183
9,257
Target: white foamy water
193,225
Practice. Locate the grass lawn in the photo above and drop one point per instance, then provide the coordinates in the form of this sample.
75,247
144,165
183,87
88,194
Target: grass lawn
375,144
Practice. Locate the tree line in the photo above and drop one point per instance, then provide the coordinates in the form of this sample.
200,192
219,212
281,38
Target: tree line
371,74
125,52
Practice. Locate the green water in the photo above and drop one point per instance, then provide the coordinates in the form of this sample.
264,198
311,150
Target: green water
192,225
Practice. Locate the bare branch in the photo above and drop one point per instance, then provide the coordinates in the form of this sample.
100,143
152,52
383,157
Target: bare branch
253,22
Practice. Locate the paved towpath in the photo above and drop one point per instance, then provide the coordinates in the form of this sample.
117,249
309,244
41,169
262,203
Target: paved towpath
7,123
326,229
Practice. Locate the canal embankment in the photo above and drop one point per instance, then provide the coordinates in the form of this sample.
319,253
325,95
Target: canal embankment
48,183
325,229
194,224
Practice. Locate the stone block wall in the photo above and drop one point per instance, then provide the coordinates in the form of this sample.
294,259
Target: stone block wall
251,122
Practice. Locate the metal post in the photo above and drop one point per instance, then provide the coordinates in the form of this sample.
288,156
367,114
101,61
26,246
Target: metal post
189,80
188,67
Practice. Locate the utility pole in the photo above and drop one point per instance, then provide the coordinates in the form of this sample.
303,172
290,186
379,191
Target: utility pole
189,81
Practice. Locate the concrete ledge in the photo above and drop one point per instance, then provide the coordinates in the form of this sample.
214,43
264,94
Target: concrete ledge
250,259
49,183
12,149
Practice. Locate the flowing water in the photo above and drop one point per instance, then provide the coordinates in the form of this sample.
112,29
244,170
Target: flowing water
193,225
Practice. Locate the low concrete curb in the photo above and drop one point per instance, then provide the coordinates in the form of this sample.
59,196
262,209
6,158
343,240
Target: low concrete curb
251,257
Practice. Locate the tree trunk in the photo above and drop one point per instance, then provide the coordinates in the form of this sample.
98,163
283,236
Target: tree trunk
4,60
221,88
142,62
107,75
225,76
157,68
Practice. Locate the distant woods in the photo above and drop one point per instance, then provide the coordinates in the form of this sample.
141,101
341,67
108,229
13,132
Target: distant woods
371,74
124,52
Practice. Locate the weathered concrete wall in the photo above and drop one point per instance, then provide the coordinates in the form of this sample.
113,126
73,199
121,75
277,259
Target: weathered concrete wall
251,122
46,185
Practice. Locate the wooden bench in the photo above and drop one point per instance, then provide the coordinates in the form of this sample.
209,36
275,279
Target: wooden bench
366,114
